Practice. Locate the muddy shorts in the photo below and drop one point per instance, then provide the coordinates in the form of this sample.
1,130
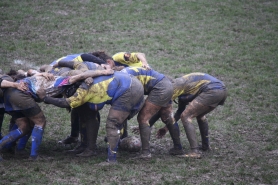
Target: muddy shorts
18,101
162,93
212,97
132,100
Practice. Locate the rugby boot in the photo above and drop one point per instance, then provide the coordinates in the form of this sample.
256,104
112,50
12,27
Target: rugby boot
87,153
195,155
69,140
203,127
175,135
192,138
78,149
176,151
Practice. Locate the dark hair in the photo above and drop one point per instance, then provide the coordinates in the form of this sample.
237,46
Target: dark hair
14,74
102,55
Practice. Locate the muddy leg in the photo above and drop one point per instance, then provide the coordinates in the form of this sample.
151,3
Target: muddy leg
89,118
186,118
124,132
114,123
74,123
22,129
203,127
145,114
2,113
37,133
198,110
168,119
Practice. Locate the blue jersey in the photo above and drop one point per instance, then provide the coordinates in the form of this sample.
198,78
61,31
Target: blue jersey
103,90
194,83
72,57
81,57
148,78
36,82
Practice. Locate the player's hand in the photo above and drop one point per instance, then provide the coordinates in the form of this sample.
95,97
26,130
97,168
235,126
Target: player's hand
22,86
89,81
108,72
48,76
146,66
161,132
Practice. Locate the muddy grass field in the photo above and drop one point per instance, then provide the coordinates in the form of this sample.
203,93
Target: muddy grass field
235,41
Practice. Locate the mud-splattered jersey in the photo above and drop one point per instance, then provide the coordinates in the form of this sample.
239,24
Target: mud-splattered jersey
81,57
72,57
194,83
83,66
54,87
148,78
133,61
103,90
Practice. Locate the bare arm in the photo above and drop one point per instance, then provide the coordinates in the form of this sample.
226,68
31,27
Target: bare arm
142,58
59,102
90,73
20,86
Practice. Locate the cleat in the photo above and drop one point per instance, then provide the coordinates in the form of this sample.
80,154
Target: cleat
69,140
77,150
87,153
176,151
205,148
191,155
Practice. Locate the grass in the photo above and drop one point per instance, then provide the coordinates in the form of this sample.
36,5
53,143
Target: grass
235,41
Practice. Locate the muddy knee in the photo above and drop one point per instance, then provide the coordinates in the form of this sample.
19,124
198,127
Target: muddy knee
23,125
113,128
39,119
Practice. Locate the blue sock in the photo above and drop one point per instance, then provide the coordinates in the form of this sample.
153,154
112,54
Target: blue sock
177,125
9,138
11,144
178,128
22,142
112,155
37,134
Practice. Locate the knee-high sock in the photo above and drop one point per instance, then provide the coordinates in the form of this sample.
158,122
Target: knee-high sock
191,135
203,127
145,133
37,134
12,143
74,123
2,112
175,134
92,132
23,141
12,136
83,134
113,137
